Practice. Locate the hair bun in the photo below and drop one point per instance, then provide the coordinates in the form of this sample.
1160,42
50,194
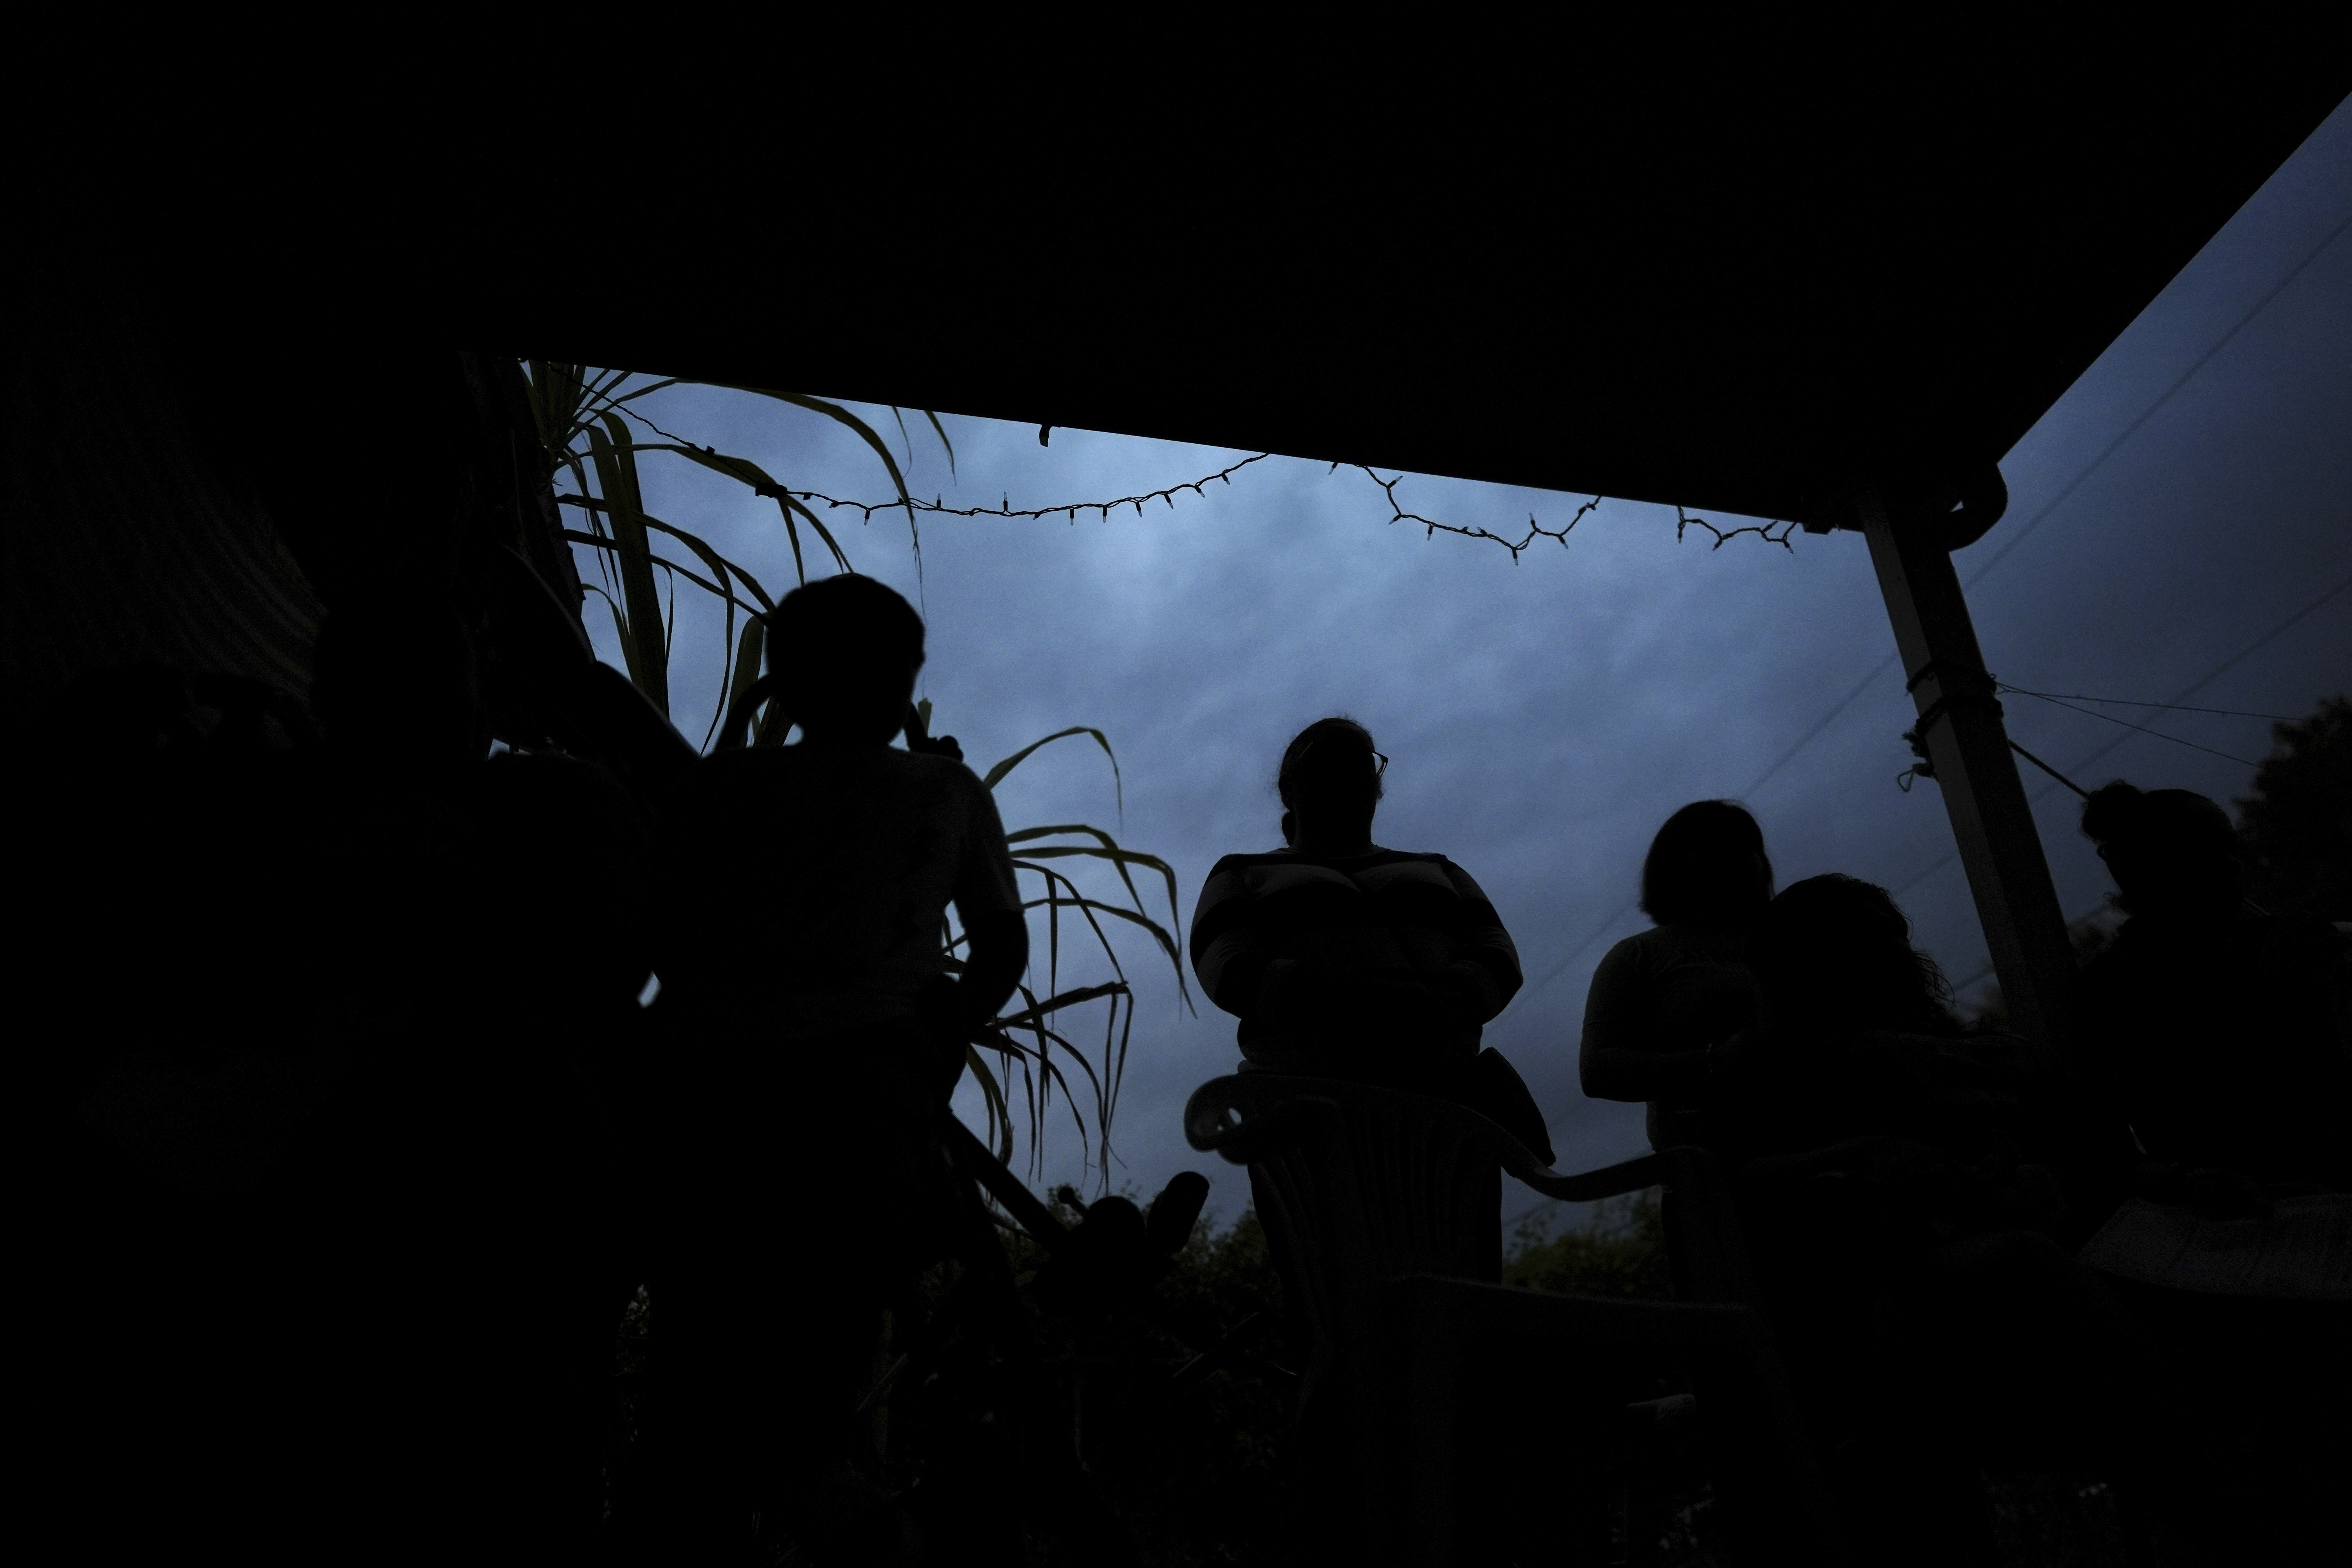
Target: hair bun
2115,812
2119,815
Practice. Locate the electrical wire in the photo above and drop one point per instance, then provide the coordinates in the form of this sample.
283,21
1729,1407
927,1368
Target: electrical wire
2019,536
2127,724
2211,676
1779,762
2128,702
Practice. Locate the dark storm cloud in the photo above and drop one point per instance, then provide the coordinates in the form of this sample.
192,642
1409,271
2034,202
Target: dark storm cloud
1544,717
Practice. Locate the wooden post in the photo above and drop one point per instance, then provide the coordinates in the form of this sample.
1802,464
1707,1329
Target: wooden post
1968,750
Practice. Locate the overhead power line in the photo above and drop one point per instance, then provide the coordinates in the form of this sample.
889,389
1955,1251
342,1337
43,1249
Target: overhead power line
1881,667
2019,536
2093,713
2167,707
2202,681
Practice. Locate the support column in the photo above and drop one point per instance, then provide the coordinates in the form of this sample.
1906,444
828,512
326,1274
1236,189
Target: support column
1959,724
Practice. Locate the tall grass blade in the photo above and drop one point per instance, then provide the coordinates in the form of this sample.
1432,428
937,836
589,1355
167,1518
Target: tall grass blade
643,643
1017,758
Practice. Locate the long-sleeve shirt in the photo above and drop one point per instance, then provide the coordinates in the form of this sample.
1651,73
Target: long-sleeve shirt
1370,964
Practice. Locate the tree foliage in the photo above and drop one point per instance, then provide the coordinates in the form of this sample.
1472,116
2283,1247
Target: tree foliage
1619,1253
2296,829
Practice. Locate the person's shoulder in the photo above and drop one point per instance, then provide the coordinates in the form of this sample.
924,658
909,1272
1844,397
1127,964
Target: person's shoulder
882,767
723,775
1454,872
1228,886
1417,870
943,781
2294,943
2128,949
741,760
1236,868
1250,861
1644,950
1274,873
933,767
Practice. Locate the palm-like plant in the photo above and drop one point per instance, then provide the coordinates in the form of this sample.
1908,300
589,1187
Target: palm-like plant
588,436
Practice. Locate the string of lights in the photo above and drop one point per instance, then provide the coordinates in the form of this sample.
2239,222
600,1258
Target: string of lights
1431,528
1068,510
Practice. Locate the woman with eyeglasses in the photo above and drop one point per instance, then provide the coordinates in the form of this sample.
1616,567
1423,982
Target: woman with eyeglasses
1343,959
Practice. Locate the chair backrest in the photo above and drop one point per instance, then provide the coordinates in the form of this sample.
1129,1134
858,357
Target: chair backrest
1706,1250
1356,1186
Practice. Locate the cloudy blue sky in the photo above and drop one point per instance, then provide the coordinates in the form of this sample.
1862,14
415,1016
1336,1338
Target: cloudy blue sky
2189,498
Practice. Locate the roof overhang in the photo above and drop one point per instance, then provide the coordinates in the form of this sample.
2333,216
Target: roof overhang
1753,311
1751,298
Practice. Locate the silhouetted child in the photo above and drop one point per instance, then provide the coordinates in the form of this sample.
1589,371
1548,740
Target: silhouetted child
1661,1000
2216,1029
815,1038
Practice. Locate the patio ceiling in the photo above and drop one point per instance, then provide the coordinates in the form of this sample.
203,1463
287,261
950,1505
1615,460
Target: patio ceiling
1750,308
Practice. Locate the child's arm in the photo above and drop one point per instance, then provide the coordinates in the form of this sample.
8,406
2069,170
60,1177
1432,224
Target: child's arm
997,952
988,905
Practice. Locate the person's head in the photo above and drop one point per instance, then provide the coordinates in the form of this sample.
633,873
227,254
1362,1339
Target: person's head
843,652
1833,952
1329,783
1707,867
2171,852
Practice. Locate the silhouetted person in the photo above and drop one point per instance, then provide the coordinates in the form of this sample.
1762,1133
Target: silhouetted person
267,949
484,935
1906,1238
1346,960
166,1024
1859,1052
2219,1032
547,1138
1874,1127
2217,1029
416,1171
1661,1001
814,1038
